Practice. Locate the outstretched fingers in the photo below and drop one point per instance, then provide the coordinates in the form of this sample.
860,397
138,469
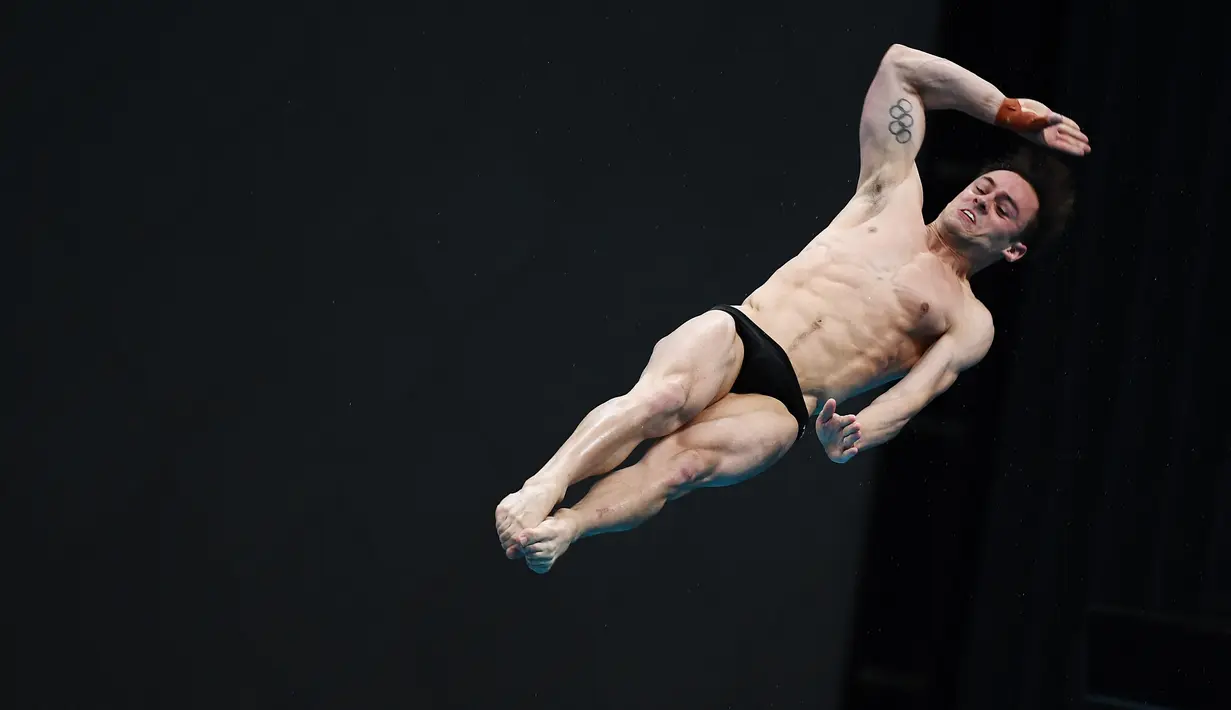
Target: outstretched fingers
1065,135
1074,133
1069,122
1075,140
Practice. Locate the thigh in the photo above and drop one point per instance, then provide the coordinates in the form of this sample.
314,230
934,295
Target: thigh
736,438
703,355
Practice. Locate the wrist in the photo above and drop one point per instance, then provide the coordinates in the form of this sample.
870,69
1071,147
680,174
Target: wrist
1011,115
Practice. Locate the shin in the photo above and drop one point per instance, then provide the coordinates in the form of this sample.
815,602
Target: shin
629,497
610,432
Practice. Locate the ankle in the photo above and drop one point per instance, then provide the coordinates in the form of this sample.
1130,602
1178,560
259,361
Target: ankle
573,519
544,480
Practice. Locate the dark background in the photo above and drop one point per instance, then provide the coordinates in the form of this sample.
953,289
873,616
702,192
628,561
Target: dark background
300,293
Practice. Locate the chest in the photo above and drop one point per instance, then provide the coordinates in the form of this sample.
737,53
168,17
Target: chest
897,282
924,296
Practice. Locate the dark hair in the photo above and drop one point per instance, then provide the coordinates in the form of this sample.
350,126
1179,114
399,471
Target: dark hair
1052,183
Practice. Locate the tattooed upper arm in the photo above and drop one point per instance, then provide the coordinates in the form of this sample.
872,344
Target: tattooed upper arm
890,129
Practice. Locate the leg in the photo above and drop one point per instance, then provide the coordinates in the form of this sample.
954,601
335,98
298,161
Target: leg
735,439
688,370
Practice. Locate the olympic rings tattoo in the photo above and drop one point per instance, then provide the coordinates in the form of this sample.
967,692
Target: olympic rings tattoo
902,120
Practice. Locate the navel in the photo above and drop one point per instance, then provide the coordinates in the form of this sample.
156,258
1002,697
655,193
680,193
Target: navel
923,307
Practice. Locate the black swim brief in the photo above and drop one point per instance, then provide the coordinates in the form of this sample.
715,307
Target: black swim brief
766,370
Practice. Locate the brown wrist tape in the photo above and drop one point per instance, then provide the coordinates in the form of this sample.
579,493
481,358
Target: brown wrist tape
1012,116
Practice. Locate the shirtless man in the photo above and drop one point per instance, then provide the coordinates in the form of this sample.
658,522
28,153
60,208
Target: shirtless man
878,296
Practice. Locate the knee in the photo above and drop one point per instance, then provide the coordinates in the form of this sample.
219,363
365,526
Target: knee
686,471
661,399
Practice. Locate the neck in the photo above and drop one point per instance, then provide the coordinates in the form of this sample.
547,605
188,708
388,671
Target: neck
950,251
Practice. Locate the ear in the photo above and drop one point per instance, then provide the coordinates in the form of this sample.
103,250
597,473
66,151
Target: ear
1015,251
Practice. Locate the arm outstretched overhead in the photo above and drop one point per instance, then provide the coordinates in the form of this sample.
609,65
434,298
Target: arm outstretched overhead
909,82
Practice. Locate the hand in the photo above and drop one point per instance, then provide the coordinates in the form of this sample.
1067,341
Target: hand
1059,133
838,434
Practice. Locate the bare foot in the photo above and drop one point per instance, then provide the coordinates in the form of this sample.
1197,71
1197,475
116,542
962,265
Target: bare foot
543,545
524,509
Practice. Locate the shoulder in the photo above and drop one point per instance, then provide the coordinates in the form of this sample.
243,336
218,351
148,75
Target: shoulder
975,316
972,330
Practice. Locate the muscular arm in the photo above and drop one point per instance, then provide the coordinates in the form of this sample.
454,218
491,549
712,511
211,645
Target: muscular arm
960,348
908,83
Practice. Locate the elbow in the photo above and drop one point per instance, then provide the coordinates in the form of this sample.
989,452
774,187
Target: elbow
896,54
901,62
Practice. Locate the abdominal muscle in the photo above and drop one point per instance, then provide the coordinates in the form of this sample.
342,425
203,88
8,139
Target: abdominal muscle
854,312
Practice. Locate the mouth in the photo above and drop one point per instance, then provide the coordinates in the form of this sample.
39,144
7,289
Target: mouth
969,215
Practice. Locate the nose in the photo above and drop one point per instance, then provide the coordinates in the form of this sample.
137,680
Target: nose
980,205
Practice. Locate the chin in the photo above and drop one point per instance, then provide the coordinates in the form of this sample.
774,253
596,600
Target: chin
957,223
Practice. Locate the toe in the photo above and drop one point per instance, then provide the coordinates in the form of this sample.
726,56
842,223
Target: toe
543,531
531,536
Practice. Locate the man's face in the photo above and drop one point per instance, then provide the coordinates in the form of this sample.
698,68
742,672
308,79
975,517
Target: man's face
992,211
